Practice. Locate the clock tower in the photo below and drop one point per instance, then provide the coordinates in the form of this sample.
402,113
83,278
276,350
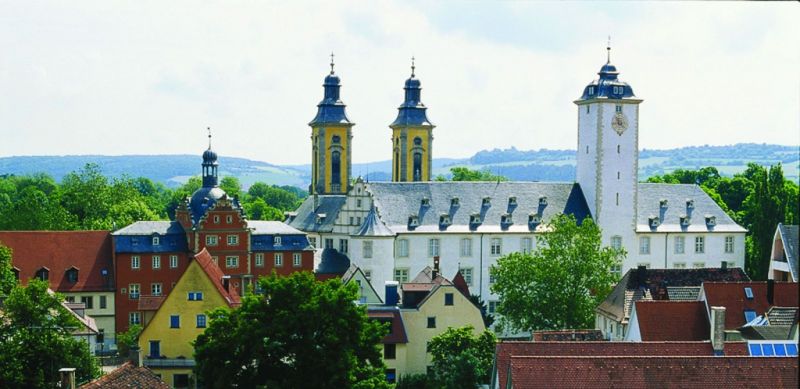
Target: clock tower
608,154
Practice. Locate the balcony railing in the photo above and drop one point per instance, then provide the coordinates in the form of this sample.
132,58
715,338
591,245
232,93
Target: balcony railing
168,362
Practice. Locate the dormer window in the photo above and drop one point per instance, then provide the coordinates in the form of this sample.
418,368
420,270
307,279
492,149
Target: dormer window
72,275
276,241
591,90
689,204
534,218
156,241
506,219
487,201
512,201
43,274
134,241
426,202
413,221
320,218
475,219
455,202
444,219
685,221
618,91
543,201
711,220
663,203
654,221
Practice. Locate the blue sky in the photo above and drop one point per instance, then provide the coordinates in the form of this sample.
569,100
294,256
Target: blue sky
113,77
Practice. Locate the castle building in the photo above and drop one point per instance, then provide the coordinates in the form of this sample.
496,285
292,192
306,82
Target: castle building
394,229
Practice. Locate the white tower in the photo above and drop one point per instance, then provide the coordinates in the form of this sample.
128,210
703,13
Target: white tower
608,154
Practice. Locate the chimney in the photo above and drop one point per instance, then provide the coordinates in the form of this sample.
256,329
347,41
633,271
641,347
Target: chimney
718,330
641,275
226,283
134,355
392,298
435,267
771,292
67,377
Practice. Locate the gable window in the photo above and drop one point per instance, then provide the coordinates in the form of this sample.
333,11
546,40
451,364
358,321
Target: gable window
402,248
433,247
156,262
401,275
156,241
367,249
174,321
135,318
358,203
232,261
343,246
201,321
496,246
173,261
616,242
195,296
617,90
259,260
432,322
296,260
644,245
680,243
278,259
155,289
466,247
212,240
233,240
728,244
448,299
467,273
135,262
699,244
526,245
72,275
276,241
133,291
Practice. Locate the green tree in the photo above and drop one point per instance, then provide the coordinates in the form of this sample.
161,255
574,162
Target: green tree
259,210
466,174
126,340
231,186
36,340
559,284
292,327
273,196
765,207
7,279
461,359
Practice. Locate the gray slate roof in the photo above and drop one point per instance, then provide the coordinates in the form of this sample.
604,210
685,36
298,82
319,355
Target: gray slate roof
789,237
649,204
396,201
150,228
306,219
373,226
264,227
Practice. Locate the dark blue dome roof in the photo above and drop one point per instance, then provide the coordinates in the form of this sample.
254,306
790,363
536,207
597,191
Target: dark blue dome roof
413,83
608,86
209,156
332,80
412,112
333,262
202,199
331,110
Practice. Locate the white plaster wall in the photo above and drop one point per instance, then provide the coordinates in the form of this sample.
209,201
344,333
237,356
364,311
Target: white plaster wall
380,266
712,256
586,171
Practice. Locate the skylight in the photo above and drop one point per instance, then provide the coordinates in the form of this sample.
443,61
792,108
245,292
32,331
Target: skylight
748,292
773,349
749,315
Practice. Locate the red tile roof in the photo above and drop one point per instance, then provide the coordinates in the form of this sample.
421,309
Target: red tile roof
150,303
215,274
397,332
127,376
672,320
653,372
567,335
461,284
88,251
505,350
731,295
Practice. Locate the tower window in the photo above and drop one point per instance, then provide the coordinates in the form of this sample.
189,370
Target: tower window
336,139
619,107
618,175
417,141
618,149
587,108
591,91
417,165
617,198
336,167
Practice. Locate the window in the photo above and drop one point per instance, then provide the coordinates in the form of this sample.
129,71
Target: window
233,240
644,245
526,245
698,265
679,265
296,260
466,247
492,307
699,245
367,249
680,243
467,273
433,247
173,261
402,248
133,291
617,198
352,221
618,151
645,264
343,246
748,292
312,240
328,243
156,262
135,262
448,299
211,240
260,260
616,242
216,219
749,315
401,275
591,92
156,241
88,301
134,318
728,244
180,380
195,296
229,219
432,322
276,241
491,278
155,289
174,321
368,275
616,269
72,275
496,246
278,259
389,351
201,321
103,302
391,376
232,261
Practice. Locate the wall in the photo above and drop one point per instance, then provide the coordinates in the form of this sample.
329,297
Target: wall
712,256
104,318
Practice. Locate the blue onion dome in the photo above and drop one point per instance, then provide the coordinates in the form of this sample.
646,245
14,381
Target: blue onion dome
412,112
608,86
331,110
209,156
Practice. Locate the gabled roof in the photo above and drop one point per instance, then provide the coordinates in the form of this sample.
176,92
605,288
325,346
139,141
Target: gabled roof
653,371
672,321
214,273
790,238
649,204
461,284
354,270
58,251
397,333
309,214
647,284
128,376
505,350
731,295
150,303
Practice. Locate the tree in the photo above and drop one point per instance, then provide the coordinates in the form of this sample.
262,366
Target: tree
36,340
259,210
292,327
765,207
466,174
126,340
559,284
461,359
7,278
231,186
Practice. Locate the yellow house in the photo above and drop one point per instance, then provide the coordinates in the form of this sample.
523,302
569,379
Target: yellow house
166,341
430,305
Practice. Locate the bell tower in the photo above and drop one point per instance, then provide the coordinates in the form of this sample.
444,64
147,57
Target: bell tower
608,153
331,136
412,136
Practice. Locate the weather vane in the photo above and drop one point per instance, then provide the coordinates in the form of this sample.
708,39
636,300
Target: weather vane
331,62
209,137
412,66
608,47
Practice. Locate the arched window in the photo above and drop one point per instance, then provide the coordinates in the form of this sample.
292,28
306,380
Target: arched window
417,165
397,166
336,139
417,141
336,168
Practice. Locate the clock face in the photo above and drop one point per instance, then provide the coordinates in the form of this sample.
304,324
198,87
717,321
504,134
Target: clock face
619,123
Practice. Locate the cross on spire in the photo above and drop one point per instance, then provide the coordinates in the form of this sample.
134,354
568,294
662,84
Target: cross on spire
331,62
209,137
608,47
412,66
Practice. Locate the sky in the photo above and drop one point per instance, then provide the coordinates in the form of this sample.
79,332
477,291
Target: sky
148,77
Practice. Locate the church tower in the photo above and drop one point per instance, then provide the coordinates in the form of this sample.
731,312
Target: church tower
608,154
331,136
412,136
